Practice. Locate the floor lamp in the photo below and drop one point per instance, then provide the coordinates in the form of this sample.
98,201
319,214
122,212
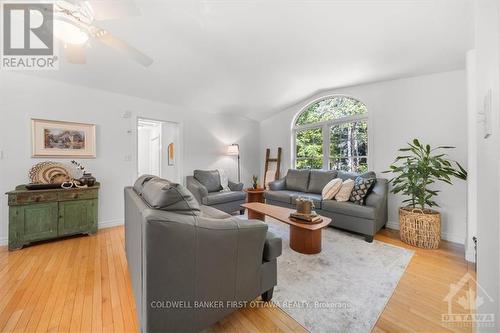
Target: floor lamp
234,150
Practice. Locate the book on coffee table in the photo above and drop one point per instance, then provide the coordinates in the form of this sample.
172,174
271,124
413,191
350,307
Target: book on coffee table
310,218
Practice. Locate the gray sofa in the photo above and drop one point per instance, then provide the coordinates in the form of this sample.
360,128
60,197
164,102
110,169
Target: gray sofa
206,188
364,219
180,253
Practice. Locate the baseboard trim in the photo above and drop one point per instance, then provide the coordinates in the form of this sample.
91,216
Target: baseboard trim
470,256
444,235
4,241
110,223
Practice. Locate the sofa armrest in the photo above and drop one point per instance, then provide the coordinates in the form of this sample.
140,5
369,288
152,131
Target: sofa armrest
235,186
272,247
196,188
278,185
378,199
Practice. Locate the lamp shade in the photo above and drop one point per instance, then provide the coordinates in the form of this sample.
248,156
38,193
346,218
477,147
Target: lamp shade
233,149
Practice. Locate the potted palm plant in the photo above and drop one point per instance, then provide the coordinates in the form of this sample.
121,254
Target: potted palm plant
416,170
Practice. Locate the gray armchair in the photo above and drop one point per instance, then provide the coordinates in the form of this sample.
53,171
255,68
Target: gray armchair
206,188
181,254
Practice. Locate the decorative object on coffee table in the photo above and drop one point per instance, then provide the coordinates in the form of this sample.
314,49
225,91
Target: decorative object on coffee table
62,139
416,171
304,205
304,237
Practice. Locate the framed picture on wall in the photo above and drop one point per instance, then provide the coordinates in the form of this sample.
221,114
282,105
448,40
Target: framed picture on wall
171,154
62,139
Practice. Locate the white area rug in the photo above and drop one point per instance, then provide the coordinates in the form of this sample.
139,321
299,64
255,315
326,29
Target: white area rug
342,289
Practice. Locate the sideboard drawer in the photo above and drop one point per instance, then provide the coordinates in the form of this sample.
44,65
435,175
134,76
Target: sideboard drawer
26,198
77,195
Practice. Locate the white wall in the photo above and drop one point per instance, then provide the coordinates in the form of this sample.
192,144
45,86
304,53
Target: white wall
488,154
431,108
204,136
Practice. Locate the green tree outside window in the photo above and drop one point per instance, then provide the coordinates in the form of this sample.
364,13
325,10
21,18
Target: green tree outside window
342,117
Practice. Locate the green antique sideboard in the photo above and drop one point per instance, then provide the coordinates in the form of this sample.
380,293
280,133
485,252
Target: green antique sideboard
36,215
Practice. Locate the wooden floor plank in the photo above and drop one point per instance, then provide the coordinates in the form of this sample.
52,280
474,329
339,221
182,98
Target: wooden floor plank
82,284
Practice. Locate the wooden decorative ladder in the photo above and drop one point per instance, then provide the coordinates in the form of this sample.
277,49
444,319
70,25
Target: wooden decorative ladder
276,160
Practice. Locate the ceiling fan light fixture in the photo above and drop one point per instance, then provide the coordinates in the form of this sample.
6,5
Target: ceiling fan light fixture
69,33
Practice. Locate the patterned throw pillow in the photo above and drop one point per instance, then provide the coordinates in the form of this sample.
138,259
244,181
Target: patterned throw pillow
361,188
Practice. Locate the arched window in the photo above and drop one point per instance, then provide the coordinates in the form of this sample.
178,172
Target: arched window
332,133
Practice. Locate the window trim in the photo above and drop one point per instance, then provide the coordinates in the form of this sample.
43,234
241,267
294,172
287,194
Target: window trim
325,126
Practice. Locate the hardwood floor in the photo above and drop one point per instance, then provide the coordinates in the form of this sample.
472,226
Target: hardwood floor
81,284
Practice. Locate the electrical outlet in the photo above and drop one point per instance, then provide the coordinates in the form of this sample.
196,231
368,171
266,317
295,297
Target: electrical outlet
127,158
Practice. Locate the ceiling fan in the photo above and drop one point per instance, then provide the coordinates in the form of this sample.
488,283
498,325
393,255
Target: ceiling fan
74,25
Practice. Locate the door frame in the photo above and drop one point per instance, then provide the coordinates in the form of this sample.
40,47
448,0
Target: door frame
180,152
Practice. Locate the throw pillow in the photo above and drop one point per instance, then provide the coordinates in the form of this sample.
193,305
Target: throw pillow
162,194
361,188
331,188
345,190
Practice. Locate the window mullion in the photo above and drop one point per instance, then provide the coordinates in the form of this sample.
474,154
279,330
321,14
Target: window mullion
326,146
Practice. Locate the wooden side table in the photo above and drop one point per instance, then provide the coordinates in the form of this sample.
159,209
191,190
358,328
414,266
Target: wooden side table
255,195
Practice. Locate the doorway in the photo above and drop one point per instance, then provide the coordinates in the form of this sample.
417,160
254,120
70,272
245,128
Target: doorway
158,145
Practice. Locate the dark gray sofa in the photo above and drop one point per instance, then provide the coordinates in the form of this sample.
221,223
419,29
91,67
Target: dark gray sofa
366,219
206,188
179,253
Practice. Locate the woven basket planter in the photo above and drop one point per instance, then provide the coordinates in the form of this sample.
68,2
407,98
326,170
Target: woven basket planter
420,228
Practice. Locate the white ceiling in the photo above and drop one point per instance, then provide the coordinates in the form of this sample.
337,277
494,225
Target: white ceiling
257,57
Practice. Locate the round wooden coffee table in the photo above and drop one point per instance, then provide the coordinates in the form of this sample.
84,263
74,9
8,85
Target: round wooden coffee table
304,237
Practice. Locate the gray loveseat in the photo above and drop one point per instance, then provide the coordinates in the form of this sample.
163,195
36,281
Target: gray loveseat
206,188
180,253
364,219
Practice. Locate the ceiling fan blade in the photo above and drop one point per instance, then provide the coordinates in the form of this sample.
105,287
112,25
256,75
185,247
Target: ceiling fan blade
75,54
107,39
113,9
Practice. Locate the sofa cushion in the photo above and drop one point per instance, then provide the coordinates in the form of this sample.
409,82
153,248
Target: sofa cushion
297,180
331,189
215,198
162,194
352,175
208,178
316,198
211,212
345,190
318,180
361,188
281,196
349,208
141,181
